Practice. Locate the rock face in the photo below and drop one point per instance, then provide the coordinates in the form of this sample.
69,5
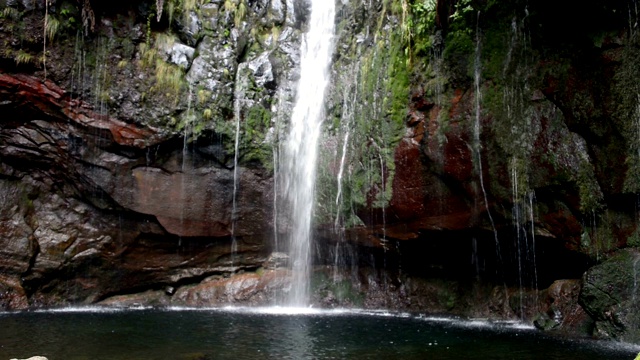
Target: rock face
609,295
462,157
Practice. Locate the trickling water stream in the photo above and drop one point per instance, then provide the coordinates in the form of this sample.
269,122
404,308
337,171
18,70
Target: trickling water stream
477,147
300,150
234,210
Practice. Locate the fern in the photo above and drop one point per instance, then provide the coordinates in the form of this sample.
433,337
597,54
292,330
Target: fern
10,13
169,77
51,27
188,5
229,6
240,13
148,55
164,40
23,57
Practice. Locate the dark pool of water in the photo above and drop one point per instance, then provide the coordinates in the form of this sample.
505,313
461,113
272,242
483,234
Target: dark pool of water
233,334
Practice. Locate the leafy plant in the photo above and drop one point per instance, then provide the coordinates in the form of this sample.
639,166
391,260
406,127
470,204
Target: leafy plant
169,76
148,55
23,57
51,27
10,13
240,13
203,96
229,6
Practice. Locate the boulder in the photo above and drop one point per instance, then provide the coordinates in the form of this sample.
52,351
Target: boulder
610,296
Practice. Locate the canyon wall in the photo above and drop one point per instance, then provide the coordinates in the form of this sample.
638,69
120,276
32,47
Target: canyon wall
477,158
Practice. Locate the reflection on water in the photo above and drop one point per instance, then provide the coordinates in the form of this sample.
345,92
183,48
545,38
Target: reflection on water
200,334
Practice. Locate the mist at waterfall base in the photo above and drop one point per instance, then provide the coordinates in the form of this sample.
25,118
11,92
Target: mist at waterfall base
267,334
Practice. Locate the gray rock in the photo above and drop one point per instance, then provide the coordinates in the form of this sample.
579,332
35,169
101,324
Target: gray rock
209,18
179,54
290,12
276,260
277,12
191,27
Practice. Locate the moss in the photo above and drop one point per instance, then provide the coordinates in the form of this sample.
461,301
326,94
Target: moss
169,78
203,96
370,114
343,291
626,92
255,128
634,239
598,238
591,197
260,271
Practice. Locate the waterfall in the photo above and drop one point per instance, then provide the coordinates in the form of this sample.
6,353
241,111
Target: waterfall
476,130
185,157
234,206
301,147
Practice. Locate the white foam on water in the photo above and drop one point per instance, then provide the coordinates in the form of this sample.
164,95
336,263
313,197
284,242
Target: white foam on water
84,309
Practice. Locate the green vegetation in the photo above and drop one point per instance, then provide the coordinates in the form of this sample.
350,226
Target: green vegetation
373,110
238,8
342,291
256,125
22,58
51,27
634,239
169,78
591,197
598,238
10,13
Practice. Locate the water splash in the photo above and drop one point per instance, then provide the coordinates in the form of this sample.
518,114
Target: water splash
300,150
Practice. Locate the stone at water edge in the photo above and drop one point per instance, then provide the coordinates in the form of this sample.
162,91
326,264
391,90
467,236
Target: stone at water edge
34,358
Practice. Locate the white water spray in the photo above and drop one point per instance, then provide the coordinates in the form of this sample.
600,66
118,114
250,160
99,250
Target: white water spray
301,148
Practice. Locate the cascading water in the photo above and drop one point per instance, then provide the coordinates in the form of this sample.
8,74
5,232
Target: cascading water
188,131
234,209
338,224
522,120
300,150
476,130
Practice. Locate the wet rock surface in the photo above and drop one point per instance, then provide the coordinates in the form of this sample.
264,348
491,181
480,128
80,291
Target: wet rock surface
609,295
